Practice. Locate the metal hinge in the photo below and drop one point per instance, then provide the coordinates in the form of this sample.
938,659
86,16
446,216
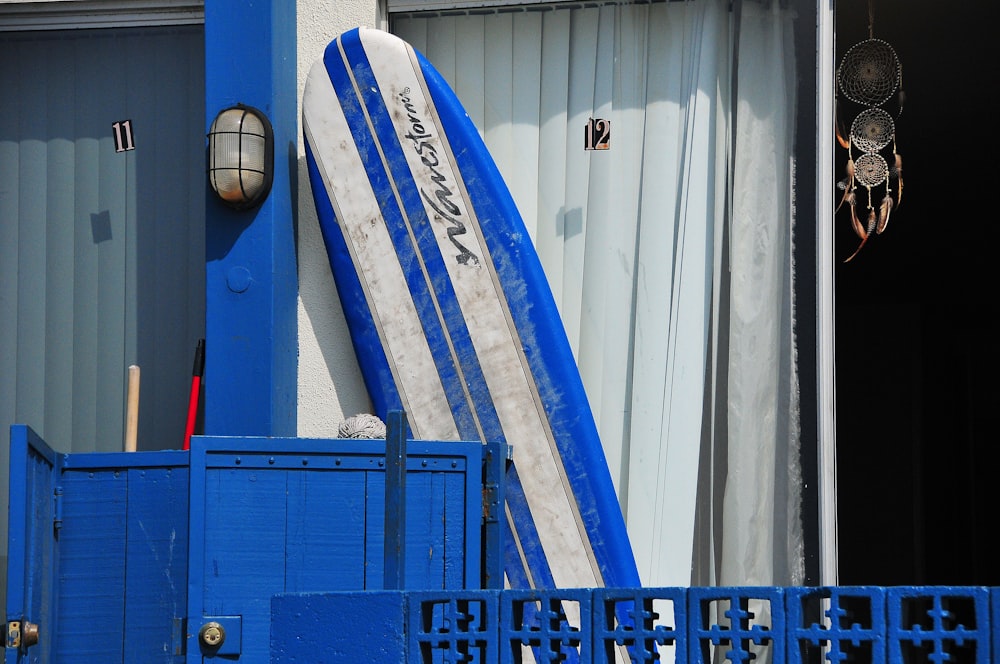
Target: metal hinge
57,507
491,503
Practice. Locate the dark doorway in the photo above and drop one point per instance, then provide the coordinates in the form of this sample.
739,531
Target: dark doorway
916,359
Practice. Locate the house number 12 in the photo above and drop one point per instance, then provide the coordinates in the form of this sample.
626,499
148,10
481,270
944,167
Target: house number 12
597,134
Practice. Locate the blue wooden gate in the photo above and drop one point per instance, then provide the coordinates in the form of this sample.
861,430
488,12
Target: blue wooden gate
127,557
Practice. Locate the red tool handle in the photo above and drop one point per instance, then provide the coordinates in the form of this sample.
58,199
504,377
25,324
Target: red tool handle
196,375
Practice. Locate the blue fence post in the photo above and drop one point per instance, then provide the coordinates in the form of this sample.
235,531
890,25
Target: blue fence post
395,501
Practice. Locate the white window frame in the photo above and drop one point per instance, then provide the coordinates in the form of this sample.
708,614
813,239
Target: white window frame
825,328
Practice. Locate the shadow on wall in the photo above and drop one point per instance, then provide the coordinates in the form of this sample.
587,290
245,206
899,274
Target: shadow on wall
331,387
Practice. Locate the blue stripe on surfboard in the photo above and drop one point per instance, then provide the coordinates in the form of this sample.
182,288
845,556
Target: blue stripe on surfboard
375,369
382,184
553,366
456,332
527,536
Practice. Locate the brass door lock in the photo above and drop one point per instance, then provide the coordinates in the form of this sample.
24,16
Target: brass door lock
21,635
212,634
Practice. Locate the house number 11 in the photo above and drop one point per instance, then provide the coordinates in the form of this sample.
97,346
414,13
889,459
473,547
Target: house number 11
123,136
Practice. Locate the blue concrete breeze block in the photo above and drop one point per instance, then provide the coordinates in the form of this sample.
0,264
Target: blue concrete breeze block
336,627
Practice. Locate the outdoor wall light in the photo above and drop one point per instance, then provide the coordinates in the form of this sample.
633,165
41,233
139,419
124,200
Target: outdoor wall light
241,156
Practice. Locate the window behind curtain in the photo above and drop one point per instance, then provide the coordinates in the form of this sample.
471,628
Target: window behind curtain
689,369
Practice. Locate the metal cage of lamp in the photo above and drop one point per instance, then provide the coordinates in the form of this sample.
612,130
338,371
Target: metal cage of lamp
241,156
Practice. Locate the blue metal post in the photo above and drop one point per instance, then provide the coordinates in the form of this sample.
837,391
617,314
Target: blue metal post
395,501
251,330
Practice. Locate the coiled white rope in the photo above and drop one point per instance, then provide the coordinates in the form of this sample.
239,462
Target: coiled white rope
362,425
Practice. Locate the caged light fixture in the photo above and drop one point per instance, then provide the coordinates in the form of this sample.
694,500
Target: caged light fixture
241,156
868,76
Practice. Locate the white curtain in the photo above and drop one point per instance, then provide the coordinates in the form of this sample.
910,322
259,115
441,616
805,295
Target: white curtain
668,253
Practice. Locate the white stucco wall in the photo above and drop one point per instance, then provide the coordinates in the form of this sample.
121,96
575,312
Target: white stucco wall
330,384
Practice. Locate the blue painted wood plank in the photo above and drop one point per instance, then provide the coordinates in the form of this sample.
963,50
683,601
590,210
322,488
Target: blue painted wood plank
374,543
91,566
244,548
156,564
424,533
326,527
454,529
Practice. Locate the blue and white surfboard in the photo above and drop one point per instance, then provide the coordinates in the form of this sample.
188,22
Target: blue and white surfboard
450,313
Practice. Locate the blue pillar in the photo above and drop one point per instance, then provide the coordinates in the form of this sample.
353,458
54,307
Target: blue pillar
251,343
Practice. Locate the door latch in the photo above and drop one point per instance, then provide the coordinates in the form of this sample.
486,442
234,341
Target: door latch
21,635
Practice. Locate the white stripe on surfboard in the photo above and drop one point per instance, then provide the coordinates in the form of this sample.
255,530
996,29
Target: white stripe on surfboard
483,303
369,243
438,335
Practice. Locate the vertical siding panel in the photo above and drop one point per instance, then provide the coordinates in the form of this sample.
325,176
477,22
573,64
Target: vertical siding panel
525,93
603,225
32,276
496,87
111,366
9,265
58,336
469,81
423,534
155,309
441,48
92,233
581,106
552,137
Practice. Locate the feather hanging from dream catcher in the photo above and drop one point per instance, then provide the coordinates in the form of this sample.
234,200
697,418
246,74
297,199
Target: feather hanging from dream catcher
869,76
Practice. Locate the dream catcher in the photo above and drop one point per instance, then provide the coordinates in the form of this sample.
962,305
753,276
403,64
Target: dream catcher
869,76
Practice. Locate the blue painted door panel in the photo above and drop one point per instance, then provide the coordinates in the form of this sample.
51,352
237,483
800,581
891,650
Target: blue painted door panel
271,516
122,566
31,547
98,553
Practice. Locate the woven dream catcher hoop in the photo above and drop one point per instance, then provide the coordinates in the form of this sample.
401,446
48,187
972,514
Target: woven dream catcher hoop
870,75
